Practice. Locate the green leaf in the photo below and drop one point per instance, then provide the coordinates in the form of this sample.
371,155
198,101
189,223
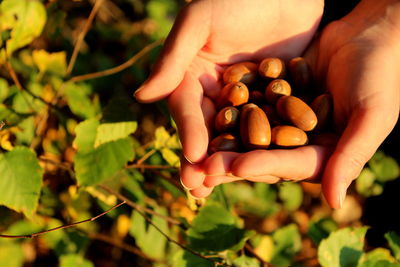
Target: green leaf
184,258
74,260
366,184
103,162
384,167
394,243
26,131
291,194
78,98
214,229
378,263
320,229
107,132
244,261
287,242
377,257
342,248
86,133
259,199
11,254
25,18
55,63
95,164
159,11
148,238
21,180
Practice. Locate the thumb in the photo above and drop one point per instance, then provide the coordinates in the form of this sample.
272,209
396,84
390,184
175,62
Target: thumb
366,130
187,37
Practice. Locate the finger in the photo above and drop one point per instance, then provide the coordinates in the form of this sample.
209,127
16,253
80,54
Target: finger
296,164
212,181
201,192
186,104
217,167
209,111
187,37
192,175
365,131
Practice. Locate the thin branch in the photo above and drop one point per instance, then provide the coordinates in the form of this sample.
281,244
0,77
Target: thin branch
147,155
82,35
63,226
2,124
138,207
119,68
119,244
14,76
148,219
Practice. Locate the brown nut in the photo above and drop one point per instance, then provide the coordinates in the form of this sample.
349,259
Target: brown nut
296,112
223,142
276,89
300,72
323,107
255,130
226,119
288,136
245,72
233,94
256,97
273,68
272,115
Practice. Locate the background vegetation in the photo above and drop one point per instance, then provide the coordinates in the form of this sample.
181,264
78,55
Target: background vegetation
76,147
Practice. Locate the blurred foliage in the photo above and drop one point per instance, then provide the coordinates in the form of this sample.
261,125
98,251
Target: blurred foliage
64,139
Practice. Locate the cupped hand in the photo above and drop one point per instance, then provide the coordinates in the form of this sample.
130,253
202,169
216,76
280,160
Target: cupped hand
207,36
356,59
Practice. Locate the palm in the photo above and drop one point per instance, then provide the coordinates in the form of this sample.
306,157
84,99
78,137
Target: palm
208,35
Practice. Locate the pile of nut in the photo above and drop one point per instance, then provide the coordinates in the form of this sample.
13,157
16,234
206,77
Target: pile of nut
268,105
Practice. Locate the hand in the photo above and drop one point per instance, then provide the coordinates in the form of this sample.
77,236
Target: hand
207,35
356,60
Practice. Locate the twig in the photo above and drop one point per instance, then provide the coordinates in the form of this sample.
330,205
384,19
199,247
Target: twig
251,250
14,76
119,244
119,68
63,226
2,124
82,35
138,207
159,230
146,156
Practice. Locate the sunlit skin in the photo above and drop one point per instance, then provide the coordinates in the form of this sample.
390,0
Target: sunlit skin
355,59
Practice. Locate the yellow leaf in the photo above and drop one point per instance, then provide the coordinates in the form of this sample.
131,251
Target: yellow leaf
265,248
55,63
5,140
123,224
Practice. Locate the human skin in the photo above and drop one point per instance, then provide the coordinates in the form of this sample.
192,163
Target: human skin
207,36
355,59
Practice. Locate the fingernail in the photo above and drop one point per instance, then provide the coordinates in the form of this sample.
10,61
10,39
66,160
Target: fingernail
137,91
188,160
184,186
